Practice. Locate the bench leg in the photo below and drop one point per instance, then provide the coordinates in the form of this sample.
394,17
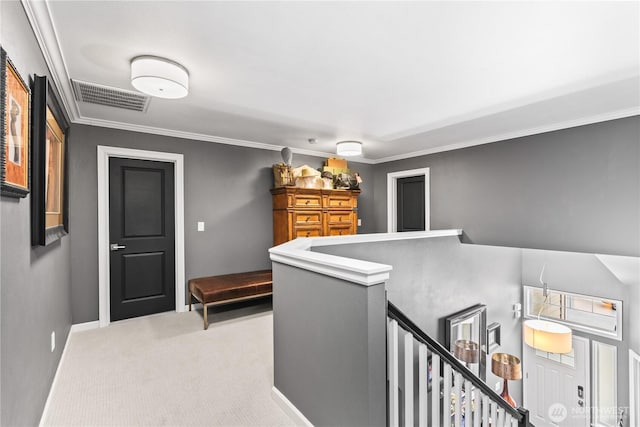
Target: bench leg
190,298
206,322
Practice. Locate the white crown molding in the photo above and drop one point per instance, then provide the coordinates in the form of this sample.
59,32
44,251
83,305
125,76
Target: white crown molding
202,137
517,134
39,17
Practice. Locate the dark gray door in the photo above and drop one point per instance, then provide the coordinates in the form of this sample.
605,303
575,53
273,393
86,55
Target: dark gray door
410,199
142,237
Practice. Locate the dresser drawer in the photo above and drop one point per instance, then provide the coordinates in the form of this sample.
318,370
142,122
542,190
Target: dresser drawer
307,201
307,232
339,230
340,217
307,217
339,201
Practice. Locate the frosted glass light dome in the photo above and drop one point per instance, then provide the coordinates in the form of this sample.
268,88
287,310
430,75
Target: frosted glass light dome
159,77
349,148
547,336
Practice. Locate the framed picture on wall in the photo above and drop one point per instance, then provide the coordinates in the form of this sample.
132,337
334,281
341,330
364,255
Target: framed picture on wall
49,199
14,135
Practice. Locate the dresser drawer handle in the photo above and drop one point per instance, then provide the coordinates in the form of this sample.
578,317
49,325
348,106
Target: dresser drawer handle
339,203
308,218
308,233
307,202
339,219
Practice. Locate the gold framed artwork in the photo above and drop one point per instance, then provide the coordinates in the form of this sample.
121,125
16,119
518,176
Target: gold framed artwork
49,198
14,140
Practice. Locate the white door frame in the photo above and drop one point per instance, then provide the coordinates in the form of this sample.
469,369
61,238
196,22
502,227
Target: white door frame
104,154
392,197
634,388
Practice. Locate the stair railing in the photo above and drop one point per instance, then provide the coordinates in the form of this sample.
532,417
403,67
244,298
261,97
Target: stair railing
448,393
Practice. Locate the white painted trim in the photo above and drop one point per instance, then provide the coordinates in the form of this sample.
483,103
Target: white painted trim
634,401
298,253
39,17
289,408
44,29
104,153
79,327
45,411
516,134
392,197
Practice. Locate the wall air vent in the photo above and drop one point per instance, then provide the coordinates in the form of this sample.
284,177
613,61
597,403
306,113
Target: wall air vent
110,96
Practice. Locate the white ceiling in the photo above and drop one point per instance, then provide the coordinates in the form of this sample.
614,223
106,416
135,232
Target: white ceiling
406,78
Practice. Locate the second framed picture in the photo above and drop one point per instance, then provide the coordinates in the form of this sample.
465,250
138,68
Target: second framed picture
49,198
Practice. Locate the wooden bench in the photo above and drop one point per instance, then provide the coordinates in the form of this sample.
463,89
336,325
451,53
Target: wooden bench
216,290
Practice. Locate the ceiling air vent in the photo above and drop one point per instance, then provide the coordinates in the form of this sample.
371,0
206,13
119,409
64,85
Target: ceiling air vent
110,96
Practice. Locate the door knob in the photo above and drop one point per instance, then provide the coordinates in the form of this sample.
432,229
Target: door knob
115,246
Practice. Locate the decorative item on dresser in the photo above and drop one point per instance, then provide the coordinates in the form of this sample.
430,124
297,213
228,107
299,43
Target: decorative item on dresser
308,212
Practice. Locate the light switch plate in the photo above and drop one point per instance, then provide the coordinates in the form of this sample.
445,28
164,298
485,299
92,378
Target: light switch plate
200,225
359,222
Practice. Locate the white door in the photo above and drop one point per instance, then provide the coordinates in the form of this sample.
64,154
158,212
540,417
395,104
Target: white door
634,388
556,387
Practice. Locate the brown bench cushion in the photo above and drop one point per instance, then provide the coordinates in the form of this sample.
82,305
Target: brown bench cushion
228,288
231,286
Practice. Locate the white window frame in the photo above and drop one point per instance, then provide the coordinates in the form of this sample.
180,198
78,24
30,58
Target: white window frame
392,197
617,335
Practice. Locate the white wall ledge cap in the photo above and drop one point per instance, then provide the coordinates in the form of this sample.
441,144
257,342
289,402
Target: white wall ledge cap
297,253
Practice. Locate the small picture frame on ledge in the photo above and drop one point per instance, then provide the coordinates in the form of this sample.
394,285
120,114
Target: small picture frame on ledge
493,336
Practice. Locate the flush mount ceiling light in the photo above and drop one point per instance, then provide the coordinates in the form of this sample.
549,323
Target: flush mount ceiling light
159,77
349,148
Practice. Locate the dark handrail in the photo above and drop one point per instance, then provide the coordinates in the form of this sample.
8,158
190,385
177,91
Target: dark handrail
395,313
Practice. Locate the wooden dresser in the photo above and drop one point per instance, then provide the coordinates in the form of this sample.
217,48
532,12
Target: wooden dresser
307,212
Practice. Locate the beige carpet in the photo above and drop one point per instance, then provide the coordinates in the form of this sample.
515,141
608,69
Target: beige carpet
165,370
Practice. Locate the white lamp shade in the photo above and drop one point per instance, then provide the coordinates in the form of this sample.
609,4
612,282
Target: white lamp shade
547,336
159,77
349,148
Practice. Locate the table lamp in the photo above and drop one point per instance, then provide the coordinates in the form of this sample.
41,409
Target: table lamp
466,351
508,367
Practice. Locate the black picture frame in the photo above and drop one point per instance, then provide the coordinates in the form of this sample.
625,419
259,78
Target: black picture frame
477,314
21,96
44,99
493,337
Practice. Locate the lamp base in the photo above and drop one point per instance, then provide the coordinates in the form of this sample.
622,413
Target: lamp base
505,394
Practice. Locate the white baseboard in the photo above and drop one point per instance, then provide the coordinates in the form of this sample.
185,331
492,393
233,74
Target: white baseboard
289,408
45,411
84,326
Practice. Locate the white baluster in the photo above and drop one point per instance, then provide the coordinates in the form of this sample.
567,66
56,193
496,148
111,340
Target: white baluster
392,372
408,380
468,397
423,383
485,411
435,390
514,422
494,413
508,420
477,411
446,397
457,391
500,422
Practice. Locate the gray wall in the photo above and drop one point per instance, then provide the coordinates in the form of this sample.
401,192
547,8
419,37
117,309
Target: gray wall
433,278
329,343
585,274
226,186
35,283
574,190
